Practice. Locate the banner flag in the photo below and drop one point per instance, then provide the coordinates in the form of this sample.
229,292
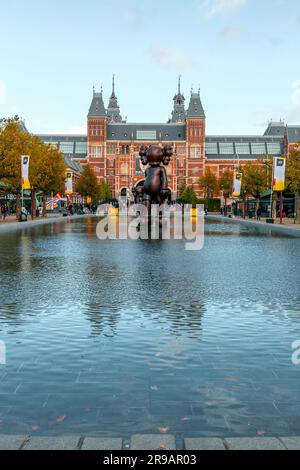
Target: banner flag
279,174
237,184
25,171
69,184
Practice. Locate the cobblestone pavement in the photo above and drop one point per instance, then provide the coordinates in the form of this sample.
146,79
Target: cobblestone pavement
147,442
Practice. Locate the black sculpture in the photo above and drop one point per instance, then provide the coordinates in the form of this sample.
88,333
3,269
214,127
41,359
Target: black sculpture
155,189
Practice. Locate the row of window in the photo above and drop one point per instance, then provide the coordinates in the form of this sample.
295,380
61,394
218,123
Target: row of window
96,130
246,148
212,148
195,132
70,148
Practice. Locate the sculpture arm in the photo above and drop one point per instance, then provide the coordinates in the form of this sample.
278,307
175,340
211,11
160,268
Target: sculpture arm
164,178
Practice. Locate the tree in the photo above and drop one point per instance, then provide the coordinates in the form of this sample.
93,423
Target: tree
182,189
48,173
105,191
87,184
293,176
13,143
226,184
209,184
189,196
46,170
256,178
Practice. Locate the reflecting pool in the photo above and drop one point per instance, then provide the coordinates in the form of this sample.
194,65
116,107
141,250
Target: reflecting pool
120,337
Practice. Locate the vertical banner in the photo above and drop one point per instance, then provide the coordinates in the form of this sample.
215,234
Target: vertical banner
69,184
237,184
279,174
25,171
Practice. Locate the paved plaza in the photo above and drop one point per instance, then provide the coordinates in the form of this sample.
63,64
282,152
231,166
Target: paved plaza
147,442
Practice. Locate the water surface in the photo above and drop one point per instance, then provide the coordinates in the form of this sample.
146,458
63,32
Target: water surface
119,337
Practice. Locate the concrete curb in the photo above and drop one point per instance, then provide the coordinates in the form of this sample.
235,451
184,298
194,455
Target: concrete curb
147,442
263,226
6,227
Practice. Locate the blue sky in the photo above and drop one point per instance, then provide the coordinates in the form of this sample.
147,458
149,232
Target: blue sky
244,54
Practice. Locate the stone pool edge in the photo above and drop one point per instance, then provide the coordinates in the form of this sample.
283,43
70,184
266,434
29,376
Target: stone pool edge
6,227
283,229
147,442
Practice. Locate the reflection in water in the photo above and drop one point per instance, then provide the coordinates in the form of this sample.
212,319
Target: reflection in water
128,336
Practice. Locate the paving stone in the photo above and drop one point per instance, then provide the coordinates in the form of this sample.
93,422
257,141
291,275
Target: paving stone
101,443
204,443
292,443
254,443
12,442
53,443
152,442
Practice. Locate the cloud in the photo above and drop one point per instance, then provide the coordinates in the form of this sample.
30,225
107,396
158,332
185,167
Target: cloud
290,113
293,112
72,130
131,19
3,92
296,92
171,58
276,42
231,33
212,8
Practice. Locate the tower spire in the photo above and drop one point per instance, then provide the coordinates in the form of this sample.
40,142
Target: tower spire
113,84
113,110
178,113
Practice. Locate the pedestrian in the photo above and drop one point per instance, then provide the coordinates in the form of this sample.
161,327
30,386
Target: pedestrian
3,212
258,213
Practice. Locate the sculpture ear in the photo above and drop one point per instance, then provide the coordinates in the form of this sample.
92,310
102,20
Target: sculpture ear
168,151
143,151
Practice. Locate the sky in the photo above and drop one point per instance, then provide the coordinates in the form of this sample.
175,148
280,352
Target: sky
243,54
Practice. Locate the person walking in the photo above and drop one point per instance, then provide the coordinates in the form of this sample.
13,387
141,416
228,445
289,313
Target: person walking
258,213
3,212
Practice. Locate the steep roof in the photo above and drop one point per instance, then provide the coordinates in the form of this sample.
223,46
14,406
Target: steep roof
195,108
293,134
97,108
72,164
147,132
275,128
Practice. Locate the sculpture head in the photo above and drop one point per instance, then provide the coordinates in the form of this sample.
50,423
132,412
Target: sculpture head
155,154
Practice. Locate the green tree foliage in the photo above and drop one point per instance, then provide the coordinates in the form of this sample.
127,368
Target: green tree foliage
182,189
256,178
189,196
46,169
105,191
293,171
209,184
87,184
48,173
293,176
226,183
